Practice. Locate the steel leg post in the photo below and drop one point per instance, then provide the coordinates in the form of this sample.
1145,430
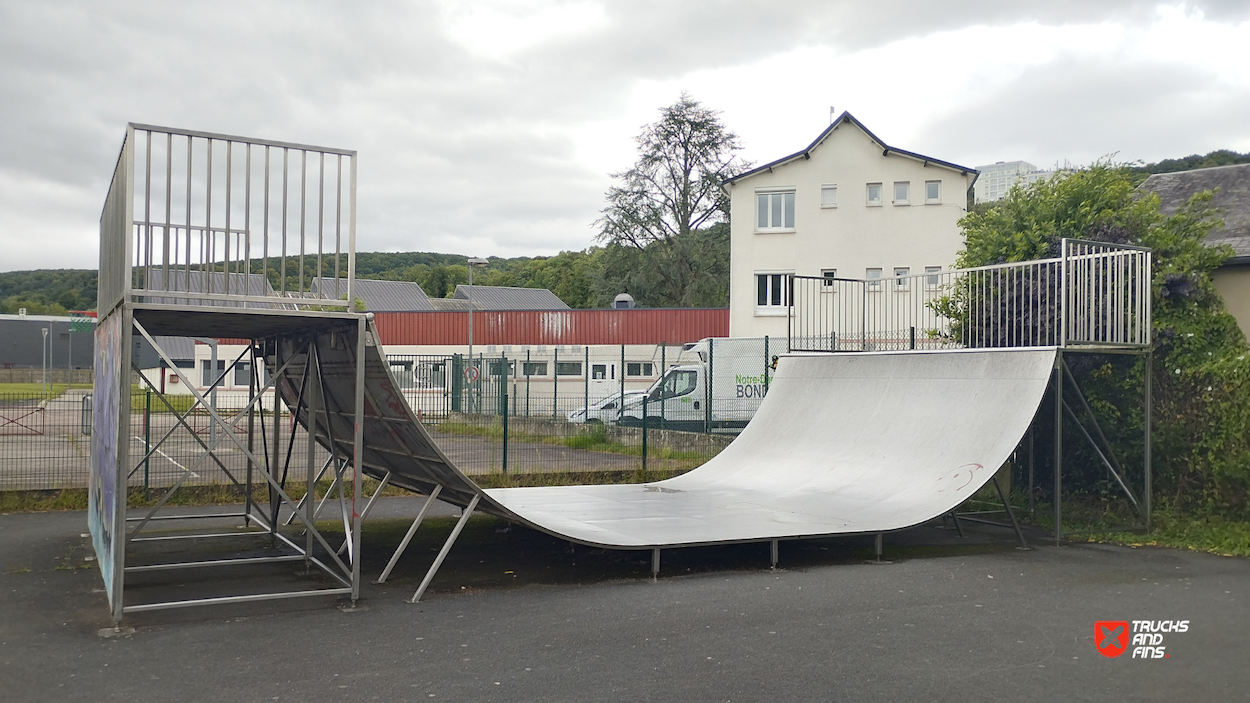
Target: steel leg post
1010,515
880,540
1148,420
408,537
363,338
655,563
451,539
1058,499
772,553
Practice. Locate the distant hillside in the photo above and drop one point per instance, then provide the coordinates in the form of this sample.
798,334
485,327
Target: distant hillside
47,291
582,279
1219,157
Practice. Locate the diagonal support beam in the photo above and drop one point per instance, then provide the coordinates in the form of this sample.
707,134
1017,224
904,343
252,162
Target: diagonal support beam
442,554
411,531
273,483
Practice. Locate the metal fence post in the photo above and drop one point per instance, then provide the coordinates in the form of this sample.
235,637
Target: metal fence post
147,441
586,380
707,411
555,383
622,369
527,383
663,369
765,364
504,394
644,434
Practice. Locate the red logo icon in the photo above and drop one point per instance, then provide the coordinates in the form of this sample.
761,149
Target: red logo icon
1111,637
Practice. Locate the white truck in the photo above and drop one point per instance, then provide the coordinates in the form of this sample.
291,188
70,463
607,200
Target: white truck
740,369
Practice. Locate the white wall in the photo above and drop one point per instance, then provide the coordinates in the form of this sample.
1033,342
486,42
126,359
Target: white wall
851,237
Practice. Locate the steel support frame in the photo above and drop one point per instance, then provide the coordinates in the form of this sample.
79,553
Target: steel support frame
1141,505
346,574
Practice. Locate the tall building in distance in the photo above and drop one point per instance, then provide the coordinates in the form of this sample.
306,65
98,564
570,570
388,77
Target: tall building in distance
996,179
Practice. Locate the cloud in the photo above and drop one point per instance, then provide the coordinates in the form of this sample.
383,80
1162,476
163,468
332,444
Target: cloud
487,129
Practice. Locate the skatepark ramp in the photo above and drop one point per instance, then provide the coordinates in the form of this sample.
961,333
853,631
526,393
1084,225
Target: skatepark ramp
843,444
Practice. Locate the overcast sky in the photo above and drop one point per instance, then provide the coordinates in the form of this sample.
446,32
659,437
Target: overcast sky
489,128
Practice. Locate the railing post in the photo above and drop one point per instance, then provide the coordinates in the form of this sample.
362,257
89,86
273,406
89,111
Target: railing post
1063,294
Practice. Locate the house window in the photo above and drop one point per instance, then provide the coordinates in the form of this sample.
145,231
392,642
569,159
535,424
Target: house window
774,211
206,372
933,191
931,277
599,372
901,280
770,290
902,192
874,278
568,368
874,193
828,196
497,368
829,283
535,368
638,368
243,373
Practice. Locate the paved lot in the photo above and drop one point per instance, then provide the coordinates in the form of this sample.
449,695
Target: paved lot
517,616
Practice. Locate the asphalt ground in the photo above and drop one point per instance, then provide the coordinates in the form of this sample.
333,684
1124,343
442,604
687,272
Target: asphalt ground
515,615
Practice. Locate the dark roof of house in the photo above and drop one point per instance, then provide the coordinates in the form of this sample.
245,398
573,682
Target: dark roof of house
505,298
205,282
379,296
1233,197
849,118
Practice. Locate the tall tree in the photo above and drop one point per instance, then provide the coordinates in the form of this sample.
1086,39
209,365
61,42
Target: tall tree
673,192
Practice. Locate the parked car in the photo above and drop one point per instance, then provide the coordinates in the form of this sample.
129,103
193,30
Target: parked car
607,410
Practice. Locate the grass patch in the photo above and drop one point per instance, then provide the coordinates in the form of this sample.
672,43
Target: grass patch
1230,538
139,401
575,478
213,494
31,391
593,438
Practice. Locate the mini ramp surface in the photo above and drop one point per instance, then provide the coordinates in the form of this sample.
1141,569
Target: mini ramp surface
844,443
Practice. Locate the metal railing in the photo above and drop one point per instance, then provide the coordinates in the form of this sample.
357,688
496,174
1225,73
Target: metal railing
1094,294
225,220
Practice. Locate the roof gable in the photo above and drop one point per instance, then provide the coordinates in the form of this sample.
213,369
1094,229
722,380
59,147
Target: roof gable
848,118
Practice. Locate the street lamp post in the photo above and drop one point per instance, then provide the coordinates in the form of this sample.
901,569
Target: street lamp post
474,262
45,361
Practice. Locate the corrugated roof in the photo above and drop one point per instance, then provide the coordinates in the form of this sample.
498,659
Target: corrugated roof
379,296
535,327
506,298
1233,197
206,282
454,304
177,347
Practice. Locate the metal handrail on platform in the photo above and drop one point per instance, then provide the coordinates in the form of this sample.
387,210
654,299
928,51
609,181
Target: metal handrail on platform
204,219
1093,294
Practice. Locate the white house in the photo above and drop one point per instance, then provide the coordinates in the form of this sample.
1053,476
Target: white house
847,206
